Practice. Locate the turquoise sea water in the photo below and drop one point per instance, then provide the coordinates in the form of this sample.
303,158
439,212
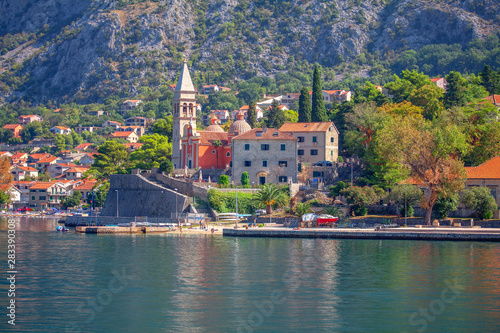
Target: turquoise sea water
69,282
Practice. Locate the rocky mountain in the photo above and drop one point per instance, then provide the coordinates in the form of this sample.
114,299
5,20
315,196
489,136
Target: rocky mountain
89,49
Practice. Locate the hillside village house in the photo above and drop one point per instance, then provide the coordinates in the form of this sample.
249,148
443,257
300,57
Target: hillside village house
24,187
15,129
289,99
98,113
440,82
130,104
58,169
88,159
84,146
139,130
33,158
111,123
244,109
61,130
136,121
494,99
44,163
85,189
268,155
316,141
221,115
5,154
81,129
14,194
75,172
44,195
19,158
335,96
21,172
132,146
25,120
129,136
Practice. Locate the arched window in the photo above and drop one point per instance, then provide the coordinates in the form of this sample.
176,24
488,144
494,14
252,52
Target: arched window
228,154
184,109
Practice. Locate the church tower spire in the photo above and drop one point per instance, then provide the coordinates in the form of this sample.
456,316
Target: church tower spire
184,116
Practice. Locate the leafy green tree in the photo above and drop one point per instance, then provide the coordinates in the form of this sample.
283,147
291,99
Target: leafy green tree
164,127
490,80
270,195
275,116
318,110
360,197
223,180
428,97
74,200
155,152
5,198
31,131
304,106
402,88
456,91
252,114
245,180
444,206
112,159
77,139
405,196
480,200
335,190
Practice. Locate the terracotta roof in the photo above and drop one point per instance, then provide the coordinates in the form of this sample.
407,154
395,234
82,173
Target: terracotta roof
307,127
85,186
83,145
113,122
258,134
436,79
69,165
61,127
207,138
39,156
26,168
48,159
19,155
133,144
132,100
29,116
12,126
5,187
122,134
495,99
42,185
488,170
77,169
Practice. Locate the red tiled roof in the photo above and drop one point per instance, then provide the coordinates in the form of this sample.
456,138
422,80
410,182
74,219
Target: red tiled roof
495,99
122,134
268,135
19,155
83,145
132,100
12,126
78,169
39,156
488,170
306,127
87,186
48,159
436,79
42,185
26,168
207,138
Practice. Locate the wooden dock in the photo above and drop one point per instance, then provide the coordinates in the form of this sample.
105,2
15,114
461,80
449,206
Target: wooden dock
122,230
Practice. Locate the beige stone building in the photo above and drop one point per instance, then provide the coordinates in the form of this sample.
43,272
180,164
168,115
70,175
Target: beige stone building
268,155
486,175
317,141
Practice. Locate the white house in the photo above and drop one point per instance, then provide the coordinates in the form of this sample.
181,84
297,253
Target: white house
61,130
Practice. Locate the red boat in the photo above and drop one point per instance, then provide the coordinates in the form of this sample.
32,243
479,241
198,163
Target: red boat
325,219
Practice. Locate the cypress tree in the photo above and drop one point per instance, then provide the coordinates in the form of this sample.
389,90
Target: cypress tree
275,116
491,80
318,106
252,114
456,91
304,106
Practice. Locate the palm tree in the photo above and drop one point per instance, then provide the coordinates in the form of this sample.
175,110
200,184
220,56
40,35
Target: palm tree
269,195
217,144
302,208
334,211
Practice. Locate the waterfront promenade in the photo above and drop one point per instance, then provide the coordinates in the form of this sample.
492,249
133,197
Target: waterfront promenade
430,233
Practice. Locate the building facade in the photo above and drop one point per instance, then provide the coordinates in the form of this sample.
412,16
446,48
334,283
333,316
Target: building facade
268,155
317,141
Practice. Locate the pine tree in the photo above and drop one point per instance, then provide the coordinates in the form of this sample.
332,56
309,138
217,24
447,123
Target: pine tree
252,114
304,106
318,106
275,116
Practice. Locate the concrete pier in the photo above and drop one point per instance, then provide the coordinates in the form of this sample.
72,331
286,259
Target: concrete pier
453,234
123,230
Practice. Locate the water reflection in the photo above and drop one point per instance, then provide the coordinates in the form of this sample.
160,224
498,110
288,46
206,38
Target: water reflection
205,283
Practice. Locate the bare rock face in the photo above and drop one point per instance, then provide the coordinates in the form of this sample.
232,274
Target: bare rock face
88,49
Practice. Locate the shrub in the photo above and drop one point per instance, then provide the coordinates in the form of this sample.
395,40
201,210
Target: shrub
335,190
225,202
245,180
444,206
223,180
409,194
480,200
359,197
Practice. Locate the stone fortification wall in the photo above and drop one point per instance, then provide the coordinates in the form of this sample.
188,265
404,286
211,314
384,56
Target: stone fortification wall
133,195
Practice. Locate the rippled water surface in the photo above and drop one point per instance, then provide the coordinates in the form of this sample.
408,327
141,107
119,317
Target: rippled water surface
70,282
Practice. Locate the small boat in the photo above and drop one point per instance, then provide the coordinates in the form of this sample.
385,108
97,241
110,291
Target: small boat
61,228
325,219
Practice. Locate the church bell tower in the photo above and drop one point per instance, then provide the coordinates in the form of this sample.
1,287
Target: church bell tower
184,115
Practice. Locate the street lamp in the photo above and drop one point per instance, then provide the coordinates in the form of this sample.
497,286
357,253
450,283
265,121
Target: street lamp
176,216
117,203
236,224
